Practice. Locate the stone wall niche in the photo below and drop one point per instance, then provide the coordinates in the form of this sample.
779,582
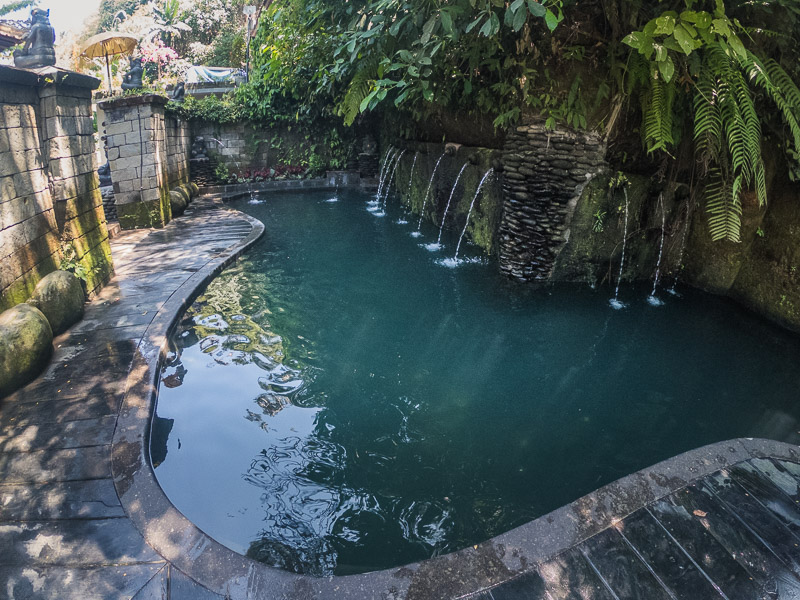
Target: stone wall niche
136,146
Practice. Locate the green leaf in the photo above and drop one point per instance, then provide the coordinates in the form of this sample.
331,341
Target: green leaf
665,25
447,22
536,9
551,20
667,69
685,41
427,30
365,102
474,24
636,40
467,86
428,94
516,5
519,19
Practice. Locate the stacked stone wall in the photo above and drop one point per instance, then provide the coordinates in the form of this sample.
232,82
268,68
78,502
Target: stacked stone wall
544,174
179,144
49,197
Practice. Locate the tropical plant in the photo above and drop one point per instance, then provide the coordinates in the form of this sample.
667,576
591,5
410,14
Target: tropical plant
11,6
703,53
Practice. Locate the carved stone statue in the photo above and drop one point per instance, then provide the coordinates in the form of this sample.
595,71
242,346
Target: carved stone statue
179,92
38,50
132,80
104,173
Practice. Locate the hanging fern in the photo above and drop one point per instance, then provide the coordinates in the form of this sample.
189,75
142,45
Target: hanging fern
658,120
727,125
359,88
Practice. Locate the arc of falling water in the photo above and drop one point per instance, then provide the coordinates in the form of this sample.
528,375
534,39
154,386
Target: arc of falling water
384,170
615,302
652,299
391,178
450,199
469,213
671,290
411,177
428,191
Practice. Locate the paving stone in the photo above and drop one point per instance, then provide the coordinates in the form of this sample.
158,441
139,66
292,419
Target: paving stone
93,499
35,582
73,543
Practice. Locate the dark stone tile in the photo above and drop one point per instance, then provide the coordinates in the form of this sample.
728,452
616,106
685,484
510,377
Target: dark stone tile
93,499
784,474
73,543
51,436
755,483
525,587
772,533
570,577
183,588
155,589
36,582
69,386
56,465
621,569
706,552
665,558
766,569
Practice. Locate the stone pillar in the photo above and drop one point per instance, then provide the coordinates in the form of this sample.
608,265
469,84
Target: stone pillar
545,173
136,146
49,201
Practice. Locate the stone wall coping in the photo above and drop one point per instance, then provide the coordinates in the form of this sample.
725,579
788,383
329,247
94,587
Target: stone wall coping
47,75
125,101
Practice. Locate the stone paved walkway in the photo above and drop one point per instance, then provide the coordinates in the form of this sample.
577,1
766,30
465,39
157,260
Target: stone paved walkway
63,532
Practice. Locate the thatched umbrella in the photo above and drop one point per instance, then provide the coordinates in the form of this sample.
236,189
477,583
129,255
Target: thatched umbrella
108,44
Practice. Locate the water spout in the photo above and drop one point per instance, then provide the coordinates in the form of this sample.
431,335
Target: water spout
411,177
652,299
388,185
684,236
418,232
447,208
384,170
615,303
469,213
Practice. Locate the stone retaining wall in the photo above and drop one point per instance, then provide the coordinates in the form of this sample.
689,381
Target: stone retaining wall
544,175
49,197
179,143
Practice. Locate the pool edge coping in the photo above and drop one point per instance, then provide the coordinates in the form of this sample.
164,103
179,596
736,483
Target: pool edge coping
458,574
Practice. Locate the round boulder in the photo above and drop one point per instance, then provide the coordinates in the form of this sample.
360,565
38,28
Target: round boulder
187,192
60,297
177,202
26,342
195,189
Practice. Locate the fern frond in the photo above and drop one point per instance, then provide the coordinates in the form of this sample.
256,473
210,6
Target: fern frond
359,88
657,126
724,207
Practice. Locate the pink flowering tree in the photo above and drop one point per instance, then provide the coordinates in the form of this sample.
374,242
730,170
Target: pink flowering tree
155,51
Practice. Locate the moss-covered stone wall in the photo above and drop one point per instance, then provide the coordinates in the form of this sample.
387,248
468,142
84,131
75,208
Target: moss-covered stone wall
484,222
50,204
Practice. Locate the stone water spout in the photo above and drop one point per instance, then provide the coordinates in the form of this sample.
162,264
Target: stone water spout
652,299
418,232
438,243
469,213
615,302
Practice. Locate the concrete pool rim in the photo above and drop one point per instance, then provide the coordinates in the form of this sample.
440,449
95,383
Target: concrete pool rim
503,557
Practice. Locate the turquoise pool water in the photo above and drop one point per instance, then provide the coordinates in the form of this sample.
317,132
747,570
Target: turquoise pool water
338,401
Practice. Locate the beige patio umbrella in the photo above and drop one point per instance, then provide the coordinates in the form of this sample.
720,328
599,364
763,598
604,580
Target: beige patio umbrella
108,44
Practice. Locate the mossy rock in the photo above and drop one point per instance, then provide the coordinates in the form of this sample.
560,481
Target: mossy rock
183,191
187,191
60,298
177,202
195,189
26,342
